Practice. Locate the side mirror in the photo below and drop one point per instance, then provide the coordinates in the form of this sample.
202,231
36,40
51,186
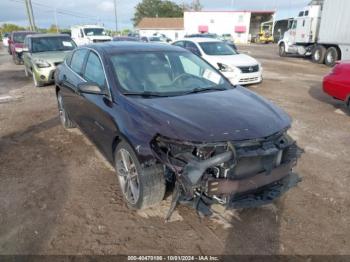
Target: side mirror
90,88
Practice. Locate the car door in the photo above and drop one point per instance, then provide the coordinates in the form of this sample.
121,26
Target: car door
69,78
94,112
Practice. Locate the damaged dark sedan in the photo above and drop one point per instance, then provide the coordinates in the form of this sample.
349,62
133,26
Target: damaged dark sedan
167,119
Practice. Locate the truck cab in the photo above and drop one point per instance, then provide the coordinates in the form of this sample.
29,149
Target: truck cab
88,34
302,31
320,30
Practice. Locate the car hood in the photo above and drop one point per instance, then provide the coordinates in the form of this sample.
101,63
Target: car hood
230,115
51,57
232,60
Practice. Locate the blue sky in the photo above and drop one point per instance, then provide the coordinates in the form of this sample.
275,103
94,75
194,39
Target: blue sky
93,11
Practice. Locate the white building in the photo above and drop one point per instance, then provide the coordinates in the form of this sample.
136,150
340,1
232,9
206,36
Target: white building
172,27
241,25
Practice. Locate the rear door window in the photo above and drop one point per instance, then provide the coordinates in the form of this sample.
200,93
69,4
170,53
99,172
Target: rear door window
77,60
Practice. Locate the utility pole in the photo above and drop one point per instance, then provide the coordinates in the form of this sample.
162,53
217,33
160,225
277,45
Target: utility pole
30,14
115,14
56,19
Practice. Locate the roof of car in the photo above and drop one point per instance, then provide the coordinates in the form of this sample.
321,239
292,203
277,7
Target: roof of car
47,35
23,31
202,39
124,46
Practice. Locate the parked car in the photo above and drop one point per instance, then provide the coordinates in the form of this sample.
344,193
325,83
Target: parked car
238,68
42,53
203,35
126,38
88,34
163,38
5,39
337,83
161,114
16,45
151,39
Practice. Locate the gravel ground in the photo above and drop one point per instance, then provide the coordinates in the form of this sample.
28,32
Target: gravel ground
59,196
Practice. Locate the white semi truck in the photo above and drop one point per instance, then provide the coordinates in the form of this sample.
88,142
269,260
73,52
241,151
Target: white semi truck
321,30
88,34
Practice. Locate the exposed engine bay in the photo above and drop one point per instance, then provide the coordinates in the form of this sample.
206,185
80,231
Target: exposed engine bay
236,174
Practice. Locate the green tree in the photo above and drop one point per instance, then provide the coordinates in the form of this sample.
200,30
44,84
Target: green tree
156,8
194,6
8,28
52,29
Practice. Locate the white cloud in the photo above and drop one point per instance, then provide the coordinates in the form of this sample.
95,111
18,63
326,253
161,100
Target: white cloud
105,6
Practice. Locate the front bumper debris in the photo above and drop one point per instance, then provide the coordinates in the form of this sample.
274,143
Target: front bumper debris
234,174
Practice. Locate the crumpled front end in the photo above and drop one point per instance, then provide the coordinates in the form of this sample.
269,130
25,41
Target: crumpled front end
235,174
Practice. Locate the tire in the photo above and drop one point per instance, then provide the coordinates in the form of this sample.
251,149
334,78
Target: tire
331,56
282,50
318,54
66,122
26,73
142,187
36,83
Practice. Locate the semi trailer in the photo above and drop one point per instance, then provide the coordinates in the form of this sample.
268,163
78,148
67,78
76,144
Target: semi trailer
321,31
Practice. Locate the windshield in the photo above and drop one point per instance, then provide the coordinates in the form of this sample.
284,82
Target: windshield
217,48
46,44
165,73
19,37
94,31
155,39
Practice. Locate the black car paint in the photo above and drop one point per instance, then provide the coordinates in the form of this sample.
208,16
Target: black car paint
232,115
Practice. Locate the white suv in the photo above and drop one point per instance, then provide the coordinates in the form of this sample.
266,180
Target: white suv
238,68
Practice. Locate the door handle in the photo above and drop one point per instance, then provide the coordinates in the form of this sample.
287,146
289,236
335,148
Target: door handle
64,77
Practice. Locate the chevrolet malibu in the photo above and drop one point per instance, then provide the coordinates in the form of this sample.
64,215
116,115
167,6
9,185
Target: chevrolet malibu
164,118
42,53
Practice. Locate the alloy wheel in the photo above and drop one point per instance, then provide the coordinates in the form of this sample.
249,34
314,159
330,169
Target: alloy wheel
128,176
61,110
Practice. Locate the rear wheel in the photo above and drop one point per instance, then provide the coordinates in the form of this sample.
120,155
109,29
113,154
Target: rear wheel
332,56
282,50
318,54
64,118
141,186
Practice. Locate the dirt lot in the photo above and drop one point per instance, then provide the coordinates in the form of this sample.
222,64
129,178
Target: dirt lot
59,196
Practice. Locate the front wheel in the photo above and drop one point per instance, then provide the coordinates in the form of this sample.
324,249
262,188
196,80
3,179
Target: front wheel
26,73
282,50
141,186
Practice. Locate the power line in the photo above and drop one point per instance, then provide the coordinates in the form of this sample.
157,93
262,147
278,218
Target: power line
59,11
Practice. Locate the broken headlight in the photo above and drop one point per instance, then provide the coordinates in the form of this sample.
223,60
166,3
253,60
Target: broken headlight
176,153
